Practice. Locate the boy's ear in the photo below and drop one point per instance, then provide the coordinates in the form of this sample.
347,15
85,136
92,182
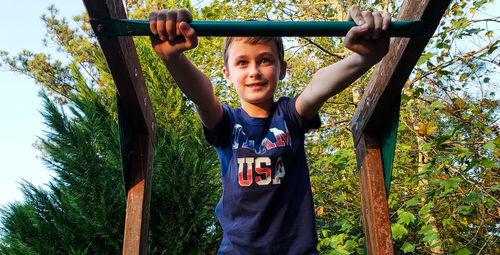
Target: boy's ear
227,75
283,67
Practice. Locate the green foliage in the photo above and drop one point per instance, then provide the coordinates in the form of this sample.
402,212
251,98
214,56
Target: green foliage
444,191
189,176
81,211
407,247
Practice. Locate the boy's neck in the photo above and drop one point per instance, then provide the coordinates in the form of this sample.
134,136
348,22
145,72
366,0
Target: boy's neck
257,110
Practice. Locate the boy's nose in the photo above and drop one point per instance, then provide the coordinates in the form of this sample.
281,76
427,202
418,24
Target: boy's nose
254,71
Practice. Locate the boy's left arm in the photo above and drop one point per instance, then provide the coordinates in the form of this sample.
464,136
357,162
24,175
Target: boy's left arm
368,47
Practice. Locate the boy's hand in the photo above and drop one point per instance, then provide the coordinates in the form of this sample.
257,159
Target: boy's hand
365,38
174,33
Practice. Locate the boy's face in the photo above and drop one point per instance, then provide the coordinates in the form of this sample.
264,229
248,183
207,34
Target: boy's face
254,70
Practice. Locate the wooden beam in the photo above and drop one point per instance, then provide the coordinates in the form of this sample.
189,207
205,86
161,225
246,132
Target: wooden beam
373,197
135,238
374,116
124,65
137,124
384,89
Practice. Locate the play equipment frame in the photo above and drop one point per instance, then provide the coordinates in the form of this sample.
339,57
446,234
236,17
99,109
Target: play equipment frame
373,128
124,27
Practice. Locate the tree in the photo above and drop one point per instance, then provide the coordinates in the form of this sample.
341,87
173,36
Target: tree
444,191
82,209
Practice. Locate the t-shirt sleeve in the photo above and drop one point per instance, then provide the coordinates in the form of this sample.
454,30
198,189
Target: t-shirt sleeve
221,134
300,122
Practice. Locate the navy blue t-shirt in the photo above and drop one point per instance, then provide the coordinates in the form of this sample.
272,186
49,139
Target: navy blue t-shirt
266,205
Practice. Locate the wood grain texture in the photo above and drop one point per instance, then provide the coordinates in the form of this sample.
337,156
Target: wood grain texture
383,91
137,120
373,197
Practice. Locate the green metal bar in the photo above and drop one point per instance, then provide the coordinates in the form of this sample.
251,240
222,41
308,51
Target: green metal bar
122,27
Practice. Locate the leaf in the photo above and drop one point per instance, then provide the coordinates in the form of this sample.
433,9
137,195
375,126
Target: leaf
497,142
490,145
492,49
319,211
437,105
465,209
487,163
436,244
429,128
351,244
427,147
425,57
463,152
398,230
405,217
463,251
426,208
459,103
478,4
429,234
463,76
426,230
411,202
431,237
447,221
450,183
407,247
324,232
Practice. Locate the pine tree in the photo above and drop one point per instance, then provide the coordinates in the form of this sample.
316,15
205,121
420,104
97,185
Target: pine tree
81,210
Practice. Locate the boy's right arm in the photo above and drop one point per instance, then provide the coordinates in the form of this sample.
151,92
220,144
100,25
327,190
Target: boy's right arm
368,48
174,37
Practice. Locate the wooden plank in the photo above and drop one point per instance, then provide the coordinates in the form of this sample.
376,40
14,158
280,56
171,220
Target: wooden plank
136,118
135,239
384,89
375,211
124,65
372,118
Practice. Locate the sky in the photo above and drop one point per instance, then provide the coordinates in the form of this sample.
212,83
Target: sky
20,106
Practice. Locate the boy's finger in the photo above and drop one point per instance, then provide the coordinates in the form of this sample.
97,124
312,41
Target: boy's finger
354,33
152,22
369,21
190,35
378,22
183,15
386,23
160,25
354,14
171,24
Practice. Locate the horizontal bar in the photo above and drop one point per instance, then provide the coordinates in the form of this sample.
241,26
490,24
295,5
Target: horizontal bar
123,27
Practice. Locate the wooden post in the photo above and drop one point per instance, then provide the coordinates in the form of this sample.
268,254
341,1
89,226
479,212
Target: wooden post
373,197
384,89
381,95
137,124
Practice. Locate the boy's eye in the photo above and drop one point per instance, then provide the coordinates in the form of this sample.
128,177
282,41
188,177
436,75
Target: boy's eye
265,61
242,63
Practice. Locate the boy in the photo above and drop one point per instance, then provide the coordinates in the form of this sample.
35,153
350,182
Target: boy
266,205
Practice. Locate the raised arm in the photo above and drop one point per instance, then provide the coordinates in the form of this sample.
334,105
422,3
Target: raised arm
174,37
368,47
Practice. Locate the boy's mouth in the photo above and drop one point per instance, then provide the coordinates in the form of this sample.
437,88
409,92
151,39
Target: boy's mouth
256,84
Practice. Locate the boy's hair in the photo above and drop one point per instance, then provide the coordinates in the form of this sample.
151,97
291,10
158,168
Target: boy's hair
254,40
